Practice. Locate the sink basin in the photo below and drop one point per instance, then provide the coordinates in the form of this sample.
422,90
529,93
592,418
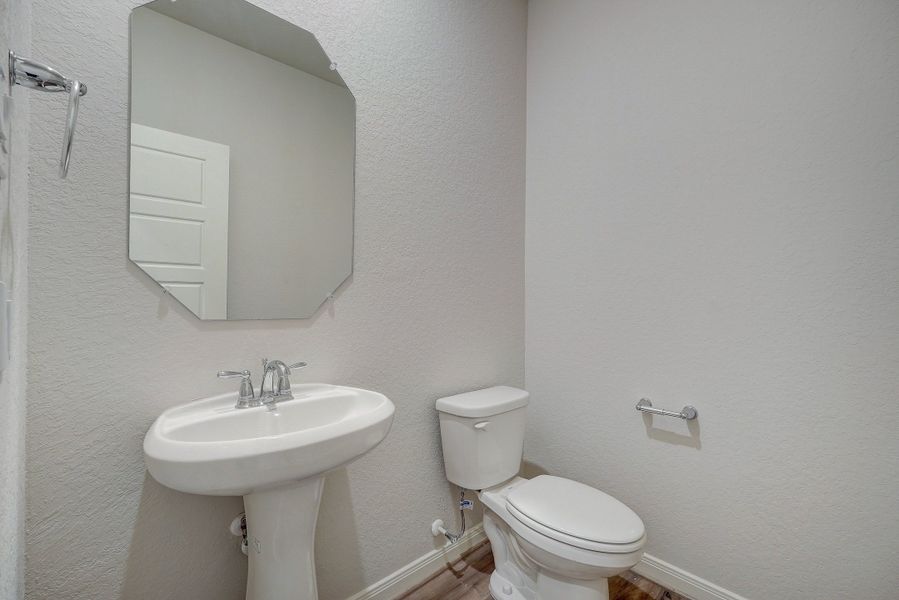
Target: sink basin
209,447
276,460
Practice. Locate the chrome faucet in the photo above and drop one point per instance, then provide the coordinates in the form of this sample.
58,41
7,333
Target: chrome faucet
280,386
279,389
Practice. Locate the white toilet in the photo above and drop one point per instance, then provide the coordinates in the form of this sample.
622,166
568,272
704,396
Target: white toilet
552,538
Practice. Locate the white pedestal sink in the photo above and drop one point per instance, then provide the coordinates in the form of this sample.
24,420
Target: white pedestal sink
275,459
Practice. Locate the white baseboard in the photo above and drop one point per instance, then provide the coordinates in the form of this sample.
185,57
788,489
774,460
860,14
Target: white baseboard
421,569
680,581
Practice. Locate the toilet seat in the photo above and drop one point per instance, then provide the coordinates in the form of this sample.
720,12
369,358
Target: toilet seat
526,551
576,514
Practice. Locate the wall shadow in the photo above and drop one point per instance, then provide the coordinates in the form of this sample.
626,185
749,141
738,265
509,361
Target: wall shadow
175,549
338,563
690,439
529,470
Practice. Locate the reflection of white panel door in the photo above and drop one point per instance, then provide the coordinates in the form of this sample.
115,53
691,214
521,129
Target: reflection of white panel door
179,216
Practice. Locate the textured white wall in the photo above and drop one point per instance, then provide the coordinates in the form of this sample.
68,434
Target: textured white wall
712,219
15,34
435,305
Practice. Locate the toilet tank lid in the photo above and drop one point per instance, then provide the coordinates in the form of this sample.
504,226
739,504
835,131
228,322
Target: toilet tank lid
484,403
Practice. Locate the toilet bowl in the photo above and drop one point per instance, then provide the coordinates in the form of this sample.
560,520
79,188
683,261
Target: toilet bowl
552,538
542,552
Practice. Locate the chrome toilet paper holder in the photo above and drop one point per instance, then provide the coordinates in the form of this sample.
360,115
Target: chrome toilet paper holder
687,413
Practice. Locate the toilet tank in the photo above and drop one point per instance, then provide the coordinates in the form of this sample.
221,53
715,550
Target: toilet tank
482,434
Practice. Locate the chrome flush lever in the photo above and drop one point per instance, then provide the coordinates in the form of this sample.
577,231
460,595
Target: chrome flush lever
38,76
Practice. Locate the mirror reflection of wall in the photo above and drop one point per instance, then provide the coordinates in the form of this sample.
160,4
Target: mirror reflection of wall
242,164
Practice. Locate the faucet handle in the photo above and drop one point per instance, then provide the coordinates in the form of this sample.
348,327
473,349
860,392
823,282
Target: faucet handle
283,388
232,374
246,397
297,365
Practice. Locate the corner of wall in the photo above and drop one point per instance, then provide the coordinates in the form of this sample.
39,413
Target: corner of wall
15,31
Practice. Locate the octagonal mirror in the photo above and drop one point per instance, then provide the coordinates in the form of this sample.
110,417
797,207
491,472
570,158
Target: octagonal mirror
242,160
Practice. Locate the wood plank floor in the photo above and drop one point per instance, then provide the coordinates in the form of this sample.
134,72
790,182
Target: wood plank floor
468,579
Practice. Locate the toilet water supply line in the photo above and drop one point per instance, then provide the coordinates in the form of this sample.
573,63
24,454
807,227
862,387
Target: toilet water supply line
438,528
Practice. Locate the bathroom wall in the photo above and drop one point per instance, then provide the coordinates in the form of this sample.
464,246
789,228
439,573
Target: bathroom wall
712,219
282,159
15,34
435,305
